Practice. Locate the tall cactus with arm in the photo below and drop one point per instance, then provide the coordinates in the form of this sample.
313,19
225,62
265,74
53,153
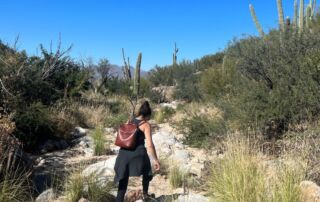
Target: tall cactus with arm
134,91
256,21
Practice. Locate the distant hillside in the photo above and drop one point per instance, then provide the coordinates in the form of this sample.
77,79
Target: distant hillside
116,70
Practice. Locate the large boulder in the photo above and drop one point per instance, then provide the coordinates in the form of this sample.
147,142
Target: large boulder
164,142
310,191
46,196
104,170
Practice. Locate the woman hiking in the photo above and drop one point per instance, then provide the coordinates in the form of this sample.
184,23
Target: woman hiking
136,162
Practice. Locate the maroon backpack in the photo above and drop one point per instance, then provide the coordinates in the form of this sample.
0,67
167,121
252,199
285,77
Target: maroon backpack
126,136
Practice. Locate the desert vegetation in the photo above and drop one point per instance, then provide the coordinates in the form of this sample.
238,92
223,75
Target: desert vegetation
255,105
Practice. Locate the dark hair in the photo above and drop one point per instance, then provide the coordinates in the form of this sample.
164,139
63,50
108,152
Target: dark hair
145,110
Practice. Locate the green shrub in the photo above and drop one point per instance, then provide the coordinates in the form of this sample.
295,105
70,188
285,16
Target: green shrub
114,121
163,114
99,141
202,130
267,84
33,124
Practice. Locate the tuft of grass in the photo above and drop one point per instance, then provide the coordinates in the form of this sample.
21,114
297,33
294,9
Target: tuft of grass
286,187
74,186
244,175
176,177
14,188
99,141
165,166
238,176
163,114
90,187
14,178
97,190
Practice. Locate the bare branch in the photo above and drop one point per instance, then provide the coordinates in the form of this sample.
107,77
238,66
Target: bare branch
5,89
16,42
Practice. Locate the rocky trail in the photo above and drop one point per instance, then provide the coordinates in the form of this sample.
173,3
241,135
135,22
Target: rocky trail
170,149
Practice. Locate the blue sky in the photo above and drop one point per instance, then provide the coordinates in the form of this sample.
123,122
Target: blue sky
100,28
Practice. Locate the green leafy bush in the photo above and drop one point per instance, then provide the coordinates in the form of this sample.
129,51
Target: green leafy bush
202,130
33,85
114,121
274,93
33,124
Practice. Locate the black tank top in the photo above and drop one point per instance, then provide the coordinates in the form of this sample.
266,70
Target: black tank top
140,134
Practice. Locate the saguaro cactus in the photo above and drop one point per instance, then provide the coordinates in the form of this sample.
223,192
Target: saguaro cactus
255,20
301,16
308,16
126,68
136,86
133,94
174,56
280,15
295,17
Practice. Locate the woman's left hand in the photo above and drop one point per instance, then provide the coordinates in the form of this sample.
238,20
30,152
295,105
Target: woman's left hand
156,165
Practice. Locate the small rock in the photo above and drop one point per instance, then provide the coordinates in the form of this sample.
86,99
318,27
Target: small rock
79,132
46,196
88,152
84,144
310,191
110,130
192,198
42,162
83,200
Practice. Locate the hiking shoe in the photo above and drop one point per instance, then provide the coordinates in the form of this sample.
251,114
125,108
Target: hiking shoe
148,197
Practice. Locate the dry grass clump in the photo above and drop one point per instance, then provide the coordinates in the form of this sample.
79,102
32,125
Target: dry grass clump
99,140
78,186
197,109
245,174
14,184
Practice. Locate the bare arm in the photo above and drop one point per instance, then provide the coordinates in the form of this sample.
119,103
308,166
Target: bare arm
149,142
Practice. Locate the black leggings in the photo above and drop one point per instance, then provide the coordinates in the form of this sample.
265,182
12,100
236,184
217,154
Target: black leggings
123,184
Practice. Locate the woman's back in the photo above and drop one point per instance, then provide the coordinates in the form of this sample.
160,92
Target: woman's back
139,134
